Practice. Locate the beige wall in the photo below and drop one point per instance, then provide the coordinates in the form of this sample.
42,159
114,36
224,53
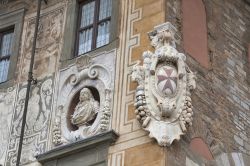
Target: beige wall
138,17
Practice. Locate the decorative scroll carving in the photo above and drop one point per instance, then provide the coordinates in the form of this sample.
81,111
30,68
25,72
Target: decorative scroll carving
162,99
84,100
83,62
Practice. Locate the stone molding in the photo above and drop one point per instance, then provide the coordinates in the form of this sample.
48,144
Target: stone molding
62,151
162,99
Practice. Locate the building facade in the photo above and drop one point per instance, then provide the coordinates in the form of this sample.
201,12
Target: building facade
83,109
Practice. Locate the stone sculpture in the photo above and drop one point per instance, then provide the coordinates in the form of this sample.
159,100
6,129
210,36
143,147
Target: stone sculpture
162,99
74,120
85,110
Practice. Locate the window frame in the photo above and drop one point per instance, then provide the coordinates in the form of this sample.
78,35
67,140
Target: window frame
14,20
6,57
94,25
69,49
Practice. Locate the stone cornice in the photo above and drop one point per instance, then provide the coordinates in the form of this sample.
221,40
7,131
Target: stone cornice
62,151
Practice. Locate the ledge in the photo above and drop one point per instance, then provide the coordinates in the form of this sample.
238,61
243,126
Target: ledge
79,146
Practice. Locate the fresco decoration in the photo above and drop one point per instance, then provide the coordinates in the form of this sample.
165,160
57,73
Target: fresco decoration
48,49
162,99
37,123
84,99
49,41
7,99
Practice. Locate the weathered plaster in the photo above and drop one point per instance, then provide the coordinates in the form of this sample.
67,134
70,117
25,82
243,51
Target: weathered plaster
7,101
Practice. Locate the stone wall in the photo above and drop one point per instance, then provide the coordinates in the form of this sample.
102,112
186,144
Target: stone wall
221,100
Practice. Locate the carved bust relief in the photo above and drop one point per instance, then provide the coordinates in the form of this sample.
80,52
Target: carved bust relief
162,99
83,114
86,109
84,100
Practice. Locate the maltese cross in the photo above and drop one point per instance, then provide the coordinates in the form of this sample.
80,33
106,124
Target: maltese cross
167,77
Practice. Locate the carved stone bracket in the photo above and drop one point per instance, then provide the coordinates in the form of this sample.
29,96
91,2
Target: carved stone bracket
162,99
77,116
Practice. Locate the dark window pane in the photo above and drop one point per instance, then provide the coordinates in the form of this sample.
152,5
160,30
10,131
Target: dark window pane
87,17
4,67
105,9
94,25
103,34
6,44
85,40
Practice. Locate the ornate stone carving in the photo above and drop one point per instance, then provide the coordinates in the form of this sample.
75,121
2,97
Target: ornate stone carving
85,110
89,86
83,62
162,99
56,130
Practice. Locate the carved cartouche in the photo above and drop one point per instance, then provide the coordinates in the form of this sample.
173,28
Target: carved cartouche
162,99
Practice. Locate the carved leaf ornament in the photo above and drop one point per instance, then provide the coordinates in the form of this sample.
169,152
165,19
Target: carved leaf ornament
162,99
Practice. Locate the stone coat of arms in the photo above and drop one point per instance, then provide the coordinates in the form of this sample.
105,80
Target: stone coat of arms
162,99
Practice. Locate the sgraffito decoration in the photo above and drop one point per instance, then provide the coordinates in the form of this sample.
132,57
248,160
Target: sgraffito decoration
7,100
37,122
162,99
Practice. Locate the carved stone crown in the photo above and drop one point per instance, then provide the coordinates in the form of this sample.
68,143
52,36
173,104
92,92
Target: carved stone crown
163,34
163,102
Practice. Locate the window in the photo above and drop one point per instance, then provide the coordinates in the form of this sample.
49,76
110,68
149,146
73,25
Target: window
90,11
11,23
93,25
6,40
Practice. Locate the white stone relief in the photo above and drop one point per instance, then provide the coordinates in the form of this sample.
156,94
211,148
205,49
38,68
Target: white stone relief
57,140
162,99
85,111
84,100
6,109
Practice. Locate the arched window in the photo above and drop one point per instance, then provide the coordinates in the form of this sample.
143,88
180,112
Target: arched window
198,146
195,30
